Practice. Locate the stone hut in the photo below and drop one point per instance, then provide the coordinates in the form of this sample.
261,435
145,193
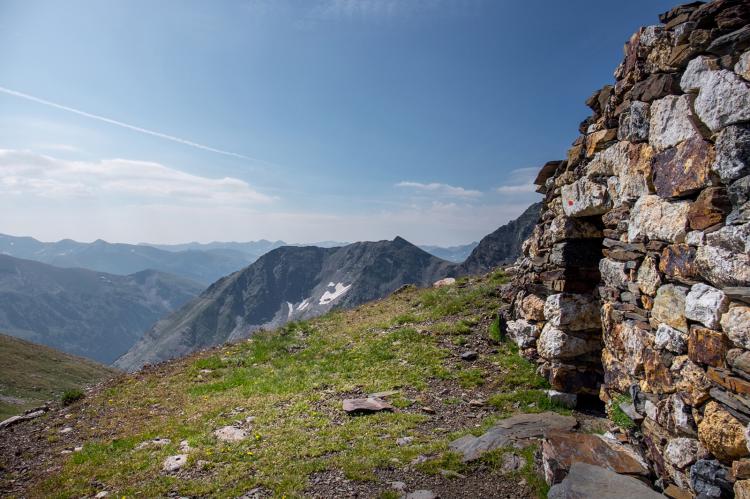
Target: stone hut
633,287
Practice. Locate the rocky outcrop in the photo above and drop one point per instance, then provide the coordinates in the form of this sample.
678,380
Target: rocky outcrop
641,257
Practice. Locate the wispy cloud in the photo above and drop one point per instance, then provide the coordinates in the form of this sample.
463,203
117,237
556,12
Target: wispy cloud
26,173
521,181
441,189
121,124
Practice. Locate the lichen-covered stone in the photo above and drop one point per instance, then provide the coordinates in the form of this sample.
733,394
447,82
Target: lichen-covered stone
584,198
710,208
554,343
682,452
683,169
721,433
634,123
613,273
678,262
725,258
739,199
690,380
723,99
733,153
599,140
742,67
669,306
532,308
671,122
707,347
573,312
736,323
705,304
656,218
648,276
671,339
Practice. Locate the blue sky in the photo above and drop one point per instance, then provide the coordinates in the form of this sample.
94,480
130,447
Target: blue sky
300,120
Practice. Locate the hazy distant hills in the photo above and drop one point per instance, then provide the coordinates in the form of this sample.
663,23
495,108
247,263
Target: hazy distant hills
83,312
455,254
286,284
124,259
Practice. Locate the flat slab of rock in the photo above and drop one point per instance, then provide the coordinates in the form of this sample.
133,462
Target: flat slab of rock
516,430
561,449
366,405
444,282
586,481
19,419
230,434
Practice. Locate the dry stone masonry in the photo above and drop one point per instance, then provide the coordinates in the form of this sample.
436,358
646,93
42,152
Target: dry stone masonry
634,285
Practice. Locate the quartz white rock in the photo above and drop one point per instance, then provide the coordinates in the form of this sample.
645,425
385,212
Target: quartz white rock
554,343
724,99
671,122
696,72
660,219
572,312
523,333
585,198
705,304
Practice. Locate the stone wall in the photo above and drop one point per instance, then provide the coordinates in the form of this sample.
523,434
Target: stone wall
633,286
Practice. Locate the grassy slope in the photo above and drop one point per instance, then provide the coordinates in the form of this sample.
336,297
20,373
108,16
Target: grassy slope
292,381
31,374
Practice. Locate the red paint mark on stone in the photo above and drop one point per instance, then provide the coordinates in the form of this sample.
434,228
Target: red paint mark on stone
570,203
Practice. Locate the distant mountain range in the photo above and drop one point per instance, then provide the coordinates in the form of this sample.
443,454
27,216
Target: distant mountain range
83,312
202,266
288,283
201,262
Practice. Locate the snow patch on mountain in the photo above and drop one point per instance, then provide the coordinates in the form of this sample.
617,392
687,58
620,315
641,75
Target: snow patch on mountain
339,289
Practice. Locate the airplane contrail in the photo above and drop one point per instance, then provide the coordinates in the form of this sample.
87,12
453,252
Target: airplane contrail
104,119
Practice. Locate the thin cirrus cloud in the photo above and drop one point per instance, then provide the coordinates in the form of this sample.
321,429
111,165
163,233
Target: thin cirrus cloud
440,189
128,126
27,173
522,181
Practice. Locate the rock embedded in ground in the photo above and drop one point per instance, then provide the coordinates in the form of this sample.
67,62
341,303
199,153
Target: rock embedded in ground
444,282
174,463
586,481
366,405
569,400
469,355
516,430
422,494
230,434
560,449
